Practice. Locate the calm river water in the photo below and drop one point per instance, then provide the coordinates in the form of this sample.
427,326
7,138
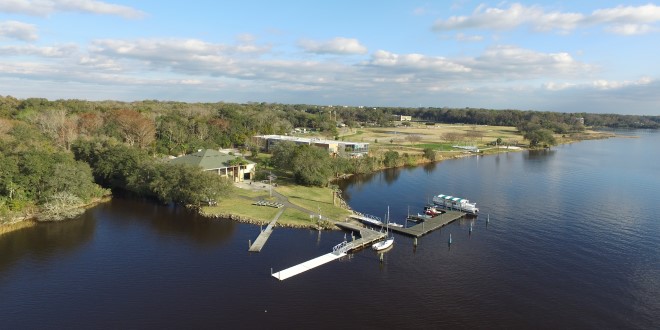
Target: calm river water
573,241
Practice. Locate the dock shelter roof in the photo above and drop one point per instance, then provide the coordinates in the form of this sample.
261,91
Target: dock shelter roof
452,198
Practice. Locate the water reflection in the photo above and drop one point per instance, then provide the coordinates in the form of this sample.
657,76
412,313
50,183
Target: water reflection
390,175
168,220
430,167
539,154
46,240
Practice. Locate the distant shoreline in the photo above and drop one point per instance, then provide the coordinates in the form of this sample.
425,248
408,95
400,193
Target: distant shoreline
30,221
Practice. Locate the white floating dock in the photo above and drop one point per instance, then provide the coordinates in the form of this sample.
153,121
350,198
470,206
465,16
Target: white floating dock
307,265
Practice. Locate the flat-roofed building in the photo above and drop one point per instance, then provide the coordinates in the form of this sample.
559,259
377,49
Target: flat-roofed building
334,147
402,118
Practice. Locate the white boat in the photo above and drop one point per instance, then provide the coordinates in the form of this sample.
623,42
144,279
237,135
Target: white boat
455,203
394,224
384,244
371,221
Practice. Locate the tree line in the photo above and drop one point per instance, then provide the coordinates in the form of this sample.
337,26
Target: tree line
68,152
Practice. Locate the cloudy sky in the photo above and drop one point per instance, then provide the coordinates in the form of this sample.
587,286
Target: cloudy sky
567,56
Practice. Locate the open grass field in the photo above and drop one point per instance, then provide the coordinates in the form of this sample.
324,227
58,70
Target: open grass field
441,138
433,134
314,199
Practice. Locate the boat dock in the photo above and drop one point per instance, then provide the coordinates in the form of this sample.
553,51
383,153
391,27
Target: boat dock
265,234
425,225
307,265
367,237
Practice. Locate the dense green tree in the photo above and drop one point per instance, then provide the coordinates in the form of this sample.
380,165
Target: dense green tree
540,137
429,154
185,184
365,164
311,165
282,155
391,158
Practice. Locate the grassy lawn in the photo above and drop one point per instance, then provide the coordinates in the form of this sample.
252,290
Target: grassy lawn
311,198
238,205
296,218
435,146
436,134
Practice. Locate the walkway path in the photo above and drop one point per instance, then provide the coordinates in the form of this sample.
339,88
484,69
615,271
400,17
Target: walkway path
265,234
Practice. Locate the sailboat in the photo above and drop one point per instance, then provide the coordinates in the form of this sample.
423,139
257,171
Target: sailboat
387,242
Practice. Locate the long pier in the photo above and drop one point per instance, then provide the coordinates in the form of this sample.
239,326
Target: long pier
367,237
265,234
425,225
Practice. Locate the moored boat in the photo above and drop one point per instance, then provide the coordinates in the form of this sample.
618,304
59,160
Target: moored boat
371,221
389,240
432,210
384,244
455,203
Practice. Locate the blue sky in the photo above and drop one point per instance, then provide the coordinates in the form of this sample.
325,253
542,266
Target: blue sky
566,56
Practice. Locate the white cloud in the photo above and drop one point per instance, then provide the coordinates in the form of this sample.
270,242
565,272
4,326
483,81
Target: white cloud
612,84
554,86
624,15
18,30
414,62
598,84
470,38
190,59
631,29
200,70
515,15
47,7
339,46
171,48
622,20
519,63
31,50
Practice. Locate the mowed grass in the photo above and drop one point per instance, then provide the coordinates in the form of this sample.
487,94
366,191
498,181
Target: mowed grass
297,218
435,146
311,198
433,134
240,204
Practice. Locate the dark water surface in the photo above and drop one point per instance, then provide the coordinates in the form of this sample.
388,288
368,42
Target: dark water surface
573,241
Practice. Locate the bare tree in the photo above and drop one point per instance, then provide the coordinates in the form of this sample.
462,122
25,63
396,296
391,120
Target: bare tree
451,136
413,138
58,126
135,128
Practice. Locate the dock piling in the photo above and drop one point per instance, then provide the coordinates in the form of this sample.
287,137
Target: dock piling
449,238
249,243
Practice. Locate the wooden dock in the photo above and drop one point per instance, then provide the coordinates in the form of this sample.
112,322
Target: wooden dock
367,236
265,234
424,226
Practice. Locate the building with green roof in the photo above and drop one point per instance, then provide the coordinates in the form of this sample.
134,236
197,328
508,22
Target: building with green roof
221,163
